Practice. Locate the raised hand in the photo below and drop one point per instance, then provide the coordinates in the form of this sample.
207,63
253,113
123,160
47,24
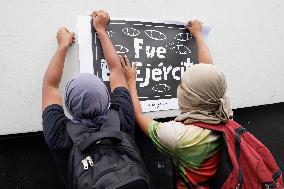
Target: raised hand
129,72
195,27
100,20
203,53
65,38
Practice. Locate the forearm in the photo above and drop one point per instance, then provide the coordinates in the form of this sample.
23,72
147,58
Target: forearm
135,99
109,51
52,78
116,77
142,121
54,71
204,55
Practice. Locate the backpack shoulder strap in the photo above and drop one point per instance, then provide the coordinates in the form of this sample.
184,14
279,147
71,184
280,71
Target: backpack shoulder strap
113,121
83,137
77,131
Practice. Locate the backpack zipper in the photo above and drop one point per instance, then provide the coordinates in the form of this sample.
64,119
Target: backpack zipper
86,162
89,159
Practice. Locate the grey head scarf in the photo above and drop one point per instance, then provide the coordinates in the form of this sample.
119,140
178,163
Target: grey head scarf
201,95
87,99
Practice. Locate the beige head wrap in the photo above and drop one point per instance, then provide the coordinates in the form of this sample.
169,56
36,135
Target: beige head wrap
201,95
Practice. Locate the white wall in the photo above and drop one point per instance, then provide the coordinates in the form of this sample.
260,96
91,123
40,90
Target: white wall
247,41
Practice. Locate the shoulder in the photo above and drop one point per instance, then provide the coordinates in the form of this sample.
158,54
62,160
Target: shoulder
52,109
120,98
53,115
54,125
172,133
173,128
166,133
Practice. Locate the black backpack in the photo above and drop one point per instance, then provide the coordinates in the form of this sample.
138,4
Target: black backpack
105,159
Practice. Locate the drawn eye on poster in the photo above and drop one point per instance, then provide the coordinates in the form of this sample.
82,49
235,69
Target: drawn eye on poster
162,52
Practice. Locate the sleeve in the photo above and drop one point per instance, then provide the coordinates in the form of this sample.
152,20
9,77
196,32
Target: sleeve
54,130
161,139
121,102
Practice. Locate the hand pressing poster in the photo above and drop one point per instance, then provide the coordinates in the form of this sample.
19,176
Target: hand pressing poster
162,52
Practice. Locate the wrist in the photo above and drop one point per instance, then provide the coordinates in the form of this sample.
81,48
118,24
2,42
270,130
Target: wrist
62,47
132,85
198,35
101,31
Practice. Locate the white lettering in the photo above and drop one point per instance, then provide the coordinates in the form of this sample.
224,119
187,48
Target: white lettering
157,72
188,63
176,69
146,82
137,46
138,64
150,54
161,50
166,71
105,70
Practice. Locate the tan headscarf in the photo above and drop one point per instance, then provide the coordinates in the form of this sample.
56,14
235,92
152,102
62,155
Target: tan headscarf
201,95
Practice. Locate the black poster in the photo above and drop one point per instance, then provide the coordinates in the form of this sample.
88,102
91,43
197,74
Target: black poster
162,53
